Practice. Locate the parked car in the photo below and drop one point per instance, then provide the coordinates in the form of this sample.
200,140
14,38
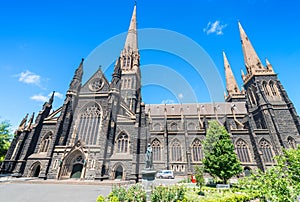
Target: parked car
169,174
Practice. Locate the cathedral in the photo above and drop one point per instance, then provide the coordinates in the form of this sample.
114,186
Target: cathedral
102,129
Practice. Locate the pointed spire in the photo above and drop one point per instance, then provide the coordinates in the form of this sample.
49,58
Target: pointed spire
131,40
23,123
231,84
76,81
268,64
30,122
251,59
51,98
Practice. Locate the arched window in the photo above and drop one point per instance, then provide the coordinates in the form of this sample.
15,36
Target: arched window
129,84
266,150
265,88
176,151
89,124
125,84
157,150
173,126
251,97
273,87
243,151
197,154
122,143
157,127
292,143
45,142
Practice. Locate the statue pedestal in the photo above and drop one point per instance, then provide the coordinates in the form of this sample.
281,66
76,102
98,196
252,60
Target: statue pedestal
148,178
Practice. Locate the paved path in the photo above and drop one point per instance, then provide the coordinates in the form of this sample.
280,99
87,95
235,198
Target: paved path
23,192
32,190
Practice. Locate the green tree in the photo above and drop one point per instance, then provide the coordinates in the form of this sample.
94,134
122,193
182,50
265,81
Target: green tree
278,183
5,138
220,159
199,176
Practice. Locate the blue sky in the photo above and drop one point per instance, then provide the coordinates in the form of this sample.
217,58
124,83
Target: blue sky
42,43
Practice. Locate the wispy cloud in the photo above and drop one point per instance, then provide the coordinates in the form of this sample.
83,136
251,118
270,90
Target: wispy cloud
214,27
43,98
39,98
29,78
57,94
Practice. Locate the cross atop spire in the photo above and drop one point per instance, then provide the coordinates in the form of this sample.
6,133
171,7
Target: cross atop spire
231,84
131,40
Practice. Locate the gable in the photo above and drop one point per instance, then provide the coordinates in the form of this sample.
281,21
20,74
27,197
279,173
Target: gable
96,84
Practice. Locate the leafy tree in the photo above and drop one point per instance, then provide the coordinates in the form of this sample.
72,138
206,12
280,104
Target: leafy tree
278,183
199,176
220,159
5,138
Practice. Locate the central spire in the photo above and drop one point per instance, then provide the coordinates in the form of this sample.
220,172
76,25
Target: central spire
131,40
251,59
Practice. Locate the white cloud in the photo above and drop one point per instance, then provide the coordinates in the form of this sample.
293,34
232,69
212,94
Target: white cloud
167,102
214,27
39,98
180,95
42,98
57,94
29,78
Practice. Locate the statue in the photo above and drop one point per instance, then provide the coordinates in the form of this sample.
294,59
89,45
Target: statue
148,157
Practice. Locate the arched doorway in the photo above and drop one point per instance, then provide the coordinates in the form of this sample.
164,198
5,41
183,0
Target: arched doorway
77,167
76,171
119,172
35,171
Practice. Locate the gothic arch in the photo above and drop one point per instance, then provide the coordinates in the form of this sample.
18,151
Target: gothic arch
122,143
156,150
197,153
273,87
89,123
242,150
173,126
291,142
157,127
176,151
35,169
265,88
73,164
267,151
45,142
118,171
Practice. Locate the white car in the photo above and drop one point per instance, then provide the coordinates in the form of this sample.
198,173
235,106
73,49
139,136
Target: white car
169,174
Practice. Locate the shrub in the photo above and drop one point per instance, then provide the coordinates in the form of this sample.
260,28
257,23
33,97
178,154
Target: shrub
168,194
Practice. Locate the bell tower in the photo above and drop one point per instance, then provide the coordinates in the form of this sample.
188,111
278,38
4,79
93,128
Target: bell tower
273,121
130,64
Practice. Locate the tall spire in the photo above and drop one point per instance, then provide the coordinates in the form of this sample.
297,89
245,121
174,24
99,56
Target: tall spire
76,81
231,84
131,40
251,59
51,98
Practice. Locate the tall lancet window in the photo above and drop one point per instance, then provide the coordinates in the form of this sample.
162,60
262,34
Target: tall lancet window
89,124
176,151
242,151
157,150
45,142
274,89
197,151
122,143
265,88
266,150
